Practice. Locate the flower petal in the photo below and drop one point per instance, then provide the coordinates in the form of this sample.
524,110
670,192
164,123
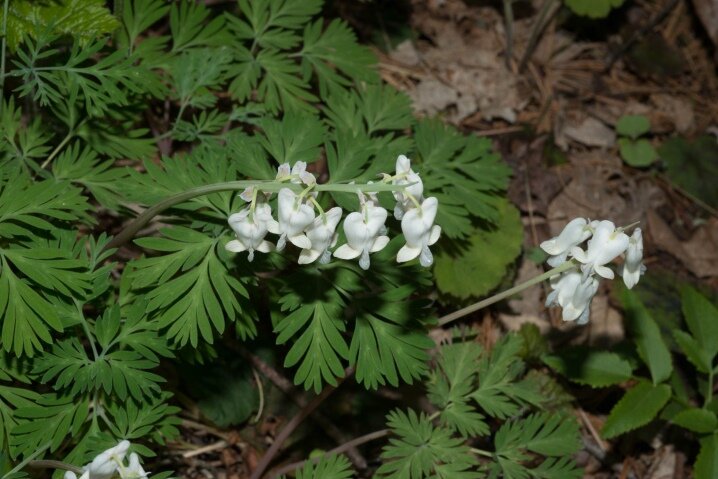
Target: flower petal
346,252
235,246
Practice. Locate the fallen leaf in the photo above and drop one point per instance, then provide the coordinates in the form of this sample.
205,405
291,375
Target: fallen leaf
707,11
699,254
591,132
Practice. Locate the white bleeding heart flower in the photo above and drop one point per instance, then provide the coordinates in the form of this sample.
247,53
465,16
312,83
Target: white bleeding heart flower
72,475
250,230
405,176
322,235
105,464
301,175
294,216
633,267
283,171
574,294
420,232
363,232
574,233
134,469
606,244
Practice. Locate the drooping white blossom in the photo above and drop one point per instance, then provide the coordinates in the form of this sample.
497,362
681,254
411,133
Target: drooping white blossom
250,230
574,233
294,216
72,475
574,294
420,232
321,234
134,469
606,245
105,464
406,176
363,232
633,266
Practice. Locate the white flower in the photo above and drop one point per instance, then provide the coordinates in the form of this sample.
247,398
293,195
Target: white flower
404,176
322,235
72,475
134,470
573,294
250,230
294,217
298,173
104,465
363,232
633,267
420,232
607,243
574,233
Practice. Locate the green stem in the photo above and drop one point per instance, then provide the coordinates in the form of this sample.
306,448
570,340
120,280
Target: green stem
709,393
269,186
58,148
2,55
86,328
32,456
444,320
481,452
49,464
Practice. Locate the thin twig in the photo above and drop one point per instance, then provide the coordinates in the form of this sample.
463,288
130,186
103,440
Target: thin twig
289,429
337,450
204,449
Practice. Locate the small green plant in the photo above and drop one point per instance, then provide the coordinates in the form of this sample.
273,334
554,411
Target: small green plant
593,8
635,151
684,398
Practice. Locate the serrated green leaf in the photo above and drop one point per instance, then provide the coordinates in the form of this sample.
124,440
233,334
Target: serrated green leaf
450,384
190,27
697,420
480,267
82,19
637,407
328,467
12,398
51,420
693,350
650,344
702,319
296,137
267,22
421,447
590,367
193,292
706,466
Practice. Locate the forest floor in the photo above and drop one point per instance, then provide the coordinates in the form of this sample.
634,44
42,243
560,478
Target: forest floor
552,115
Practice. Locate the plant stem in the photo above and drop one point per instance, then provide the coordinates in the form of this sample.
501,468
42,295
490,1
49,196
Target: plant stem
444,320
2,55
289,429
266,185
86,328
481,452
32,456
59,147
48,464
709,392
372,436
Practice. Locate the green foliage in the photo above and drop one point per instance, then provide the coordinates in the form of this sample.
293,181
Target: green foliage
637,408
466,384
633,126
328,467
635,151
593,8
590,367
707,463
84,20
105,116
484,260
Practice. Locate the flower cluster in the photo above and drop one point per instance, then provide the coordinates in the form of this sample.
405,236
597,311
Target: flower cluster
575,287
111,461
316,235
